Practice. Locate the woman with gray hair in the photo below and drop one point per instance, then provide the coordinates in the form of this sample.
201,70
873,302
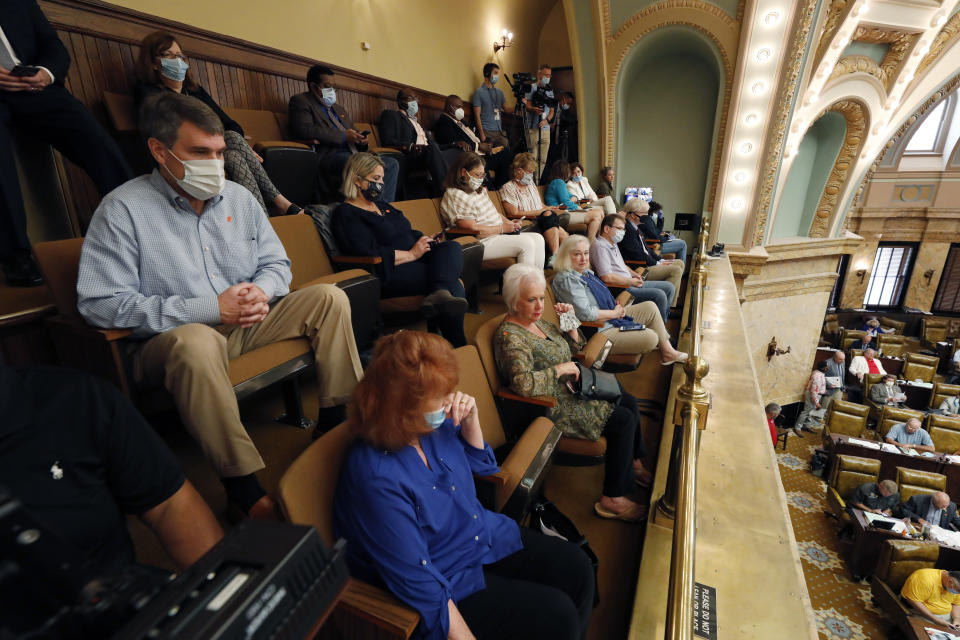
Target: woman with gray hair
648,229
534,358
592,301
412,264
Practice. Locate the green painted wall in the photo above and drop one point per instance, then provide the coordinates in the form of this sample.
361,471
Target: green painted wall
667,97
874,51
808,176
589,110
622,10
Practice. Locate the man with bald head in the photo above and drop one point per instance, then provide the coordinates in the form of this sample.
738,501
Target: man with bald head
452,133
400,129
932,509
835,375
910,436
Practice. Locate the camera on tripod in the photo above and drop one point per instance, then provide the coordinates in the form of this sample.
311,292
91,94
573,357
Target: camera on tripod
522,83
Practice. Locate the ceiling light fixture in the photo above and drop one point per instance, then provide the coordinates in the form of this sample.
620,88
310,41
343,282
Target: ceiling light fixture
751,118
740,176
757,88
746,148
763,55
736,204
771,18
939,21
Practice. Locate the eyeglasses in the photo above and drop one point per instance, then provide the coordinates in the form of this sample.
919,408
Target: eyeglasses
171,56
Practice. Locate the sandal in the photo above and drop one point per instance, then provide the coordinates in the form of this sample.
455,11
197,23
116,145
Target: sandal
680,358
636,513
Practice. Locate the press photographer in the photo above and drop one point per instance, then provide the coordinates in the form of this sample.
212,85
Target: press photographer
539,104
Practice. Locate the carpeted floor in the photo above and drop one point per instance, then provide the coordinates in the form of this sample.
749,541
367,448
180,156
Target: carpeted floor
842,607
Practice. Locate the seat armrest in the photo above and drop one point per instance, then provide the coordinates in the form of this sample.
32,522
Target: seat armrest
498,479
379,607
625,298
357,259
596,324
460,231
389,150
263,145
79,328
638,263
540,401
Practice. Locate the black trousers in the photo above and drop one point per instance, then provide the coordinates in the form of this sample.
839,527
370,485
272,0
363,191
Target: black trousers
438,268
499,164
545,590
430,158
624,445
57,118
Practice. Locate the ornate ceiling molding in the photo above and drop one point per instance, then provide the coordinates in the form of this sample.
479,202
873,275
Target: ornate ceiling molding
950,31
706,18
900,43
605,18
778,124
859,64
832,24
855,114
877,35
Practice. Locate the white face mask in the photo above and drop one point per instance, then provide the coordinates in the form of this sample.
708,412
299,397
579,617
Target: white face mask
202,179
475,183
458,114
328,95
527,178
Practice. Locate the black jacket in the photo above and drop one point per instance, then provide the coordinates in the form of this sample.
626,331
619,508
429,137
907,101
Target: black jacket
33,40
648,228
632,247
447,133
143,91
918,506
396,130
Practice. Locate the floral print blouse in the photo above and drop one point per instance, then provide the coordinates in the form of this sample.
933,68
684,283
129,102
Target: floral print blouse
525,361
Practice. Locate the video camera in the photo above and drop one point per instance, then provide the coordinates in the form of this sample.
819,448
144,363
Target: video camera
522,83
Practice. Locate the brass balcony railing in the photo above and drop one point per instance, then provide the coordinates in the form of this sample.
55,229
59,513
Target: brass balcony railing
677,506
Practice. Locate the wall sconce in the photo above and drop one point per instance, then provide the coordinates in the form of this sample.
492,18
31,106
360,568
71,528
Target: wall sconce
860,274
928,275
772,349
506,40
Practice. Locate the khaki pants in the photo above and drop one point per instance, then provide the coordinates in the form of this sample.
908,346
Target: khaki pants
544,142
671,273
644,341
192,362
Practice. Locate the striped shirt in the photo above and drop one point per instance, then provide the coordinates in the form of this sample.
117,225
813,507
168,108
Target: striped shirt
457,204
525,197
151,264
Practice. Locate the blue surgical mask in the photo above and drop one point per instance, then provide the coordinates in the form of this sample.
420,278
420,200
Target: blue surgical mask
435,418
577,178
494,78
328,95
173,68
618,235
564,106
544,81
412,108
954,592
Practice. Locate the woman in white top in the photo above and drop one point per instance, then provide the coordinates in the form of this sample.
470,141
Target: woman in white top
580,188
521,201
467,205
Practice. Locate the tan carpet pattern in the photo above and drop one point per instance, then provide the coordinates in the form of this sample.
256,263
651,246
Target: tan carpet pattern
842,607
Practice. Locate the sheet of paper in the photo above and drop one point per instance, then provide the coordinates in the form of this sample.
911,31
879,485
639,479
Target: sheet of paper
892,448
938,634
864,443
833,381
898,526
946,536
953,459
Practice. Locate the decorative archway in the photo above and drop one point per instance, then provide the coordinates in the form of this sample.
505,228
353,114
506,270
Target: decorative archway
855,113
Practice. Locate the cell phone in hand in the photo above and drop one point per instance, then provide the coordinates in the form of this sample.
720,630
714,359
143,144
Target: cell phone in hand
570,386
643,274
24,71
436,238
364,133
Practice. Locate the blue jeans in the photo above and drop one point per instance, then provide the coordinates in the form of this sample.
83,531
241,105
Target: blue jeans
679,247
660,292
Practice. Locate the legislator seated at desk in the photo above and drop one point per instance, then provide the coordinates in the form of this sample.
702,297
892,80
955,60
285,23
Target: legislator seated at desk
951,406
910,435
932,508
876,497
887,393
864,343
934,594
867,363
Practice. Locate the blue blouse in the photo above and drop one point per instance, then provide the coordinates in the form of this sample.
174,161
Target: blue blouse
421,531
557,194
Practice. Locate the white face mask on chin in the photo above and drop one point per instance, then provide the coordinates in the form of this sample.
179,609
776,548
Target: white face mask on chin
202,179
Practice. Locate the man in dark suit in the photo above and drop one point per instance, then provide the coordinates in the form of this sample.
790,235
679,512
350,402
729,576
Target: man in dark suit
400,129
864,343
451,132
932,508
33,100
316,117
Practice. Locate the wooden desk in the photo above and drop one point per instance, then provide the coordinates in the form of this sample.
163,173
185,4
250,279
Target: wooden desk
918,628
867,543
918,398
889,461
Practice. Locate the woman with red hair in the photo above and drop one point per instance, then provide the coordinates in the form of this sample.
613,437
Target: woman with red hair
407,506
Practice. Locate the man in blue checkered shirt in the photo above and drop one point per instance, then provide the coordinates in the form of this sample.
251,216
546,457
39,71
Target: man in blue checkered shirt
190,263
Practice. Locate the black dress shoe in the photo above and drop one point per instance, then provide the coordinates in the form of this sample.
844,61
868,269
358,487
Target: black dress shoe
21,271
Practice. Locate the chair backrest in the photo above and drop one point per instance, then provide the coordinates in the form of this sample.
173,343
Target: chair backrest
912,482
945,432
849,472
900,558
898,326
853,353
308,258
890,416
542,189
259,124
307,487
920,367
283,121
497,202
831,325
846,418
891,345
933,329
849,336
373,139
869,380
122,111
484,343
942,391
59,262
473,382
422,214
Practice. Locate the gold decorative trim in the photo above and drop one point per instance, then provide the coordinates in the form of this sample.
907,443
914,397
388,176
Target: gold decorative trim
900,42
647,17
947,35
859,64
856,116
830,27
778,128
877,35
605,18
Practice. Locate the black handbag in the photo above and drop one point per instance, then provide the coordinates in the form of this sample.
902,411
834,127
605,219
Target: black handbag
547,220
598,385
546,518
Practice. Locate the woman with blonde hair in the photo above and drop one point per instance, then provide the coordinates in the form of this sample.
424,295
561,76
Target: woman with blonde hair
411,264
407,506
521,201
